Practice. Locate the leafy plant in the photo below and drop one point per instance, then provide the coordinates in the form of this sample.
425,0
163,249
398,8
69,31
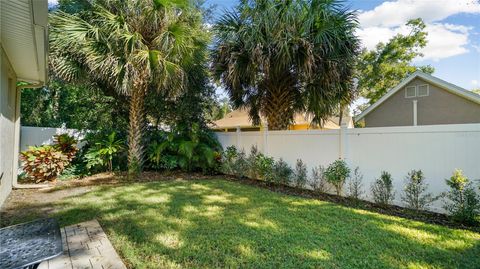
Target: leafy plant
319,182
336,174
103,151
463,203
67,144
240,166
229,157
282,172
300,175
415,195
355,185
382,189
44,163
252,162
264,167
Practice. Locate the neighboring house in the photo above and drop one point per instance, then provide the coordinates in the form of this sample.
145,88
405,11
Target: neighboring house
422,99
23,52
239,118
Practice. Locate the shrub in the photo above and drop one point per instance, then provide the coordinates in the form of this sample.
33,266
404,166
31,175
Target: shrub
463,203
66,144
240,166
382,189
319,182
300,176
102,150
229,157
264,167
336,174
282,172
415,196
252,162
355,185
44,163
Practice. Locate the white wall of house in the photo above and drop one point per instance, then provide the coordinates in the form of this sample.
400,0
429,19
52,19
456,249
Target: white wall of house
8,116
437,150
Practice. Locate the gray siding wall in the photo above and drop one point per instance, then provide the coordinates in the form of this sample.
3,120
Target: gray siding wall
439,107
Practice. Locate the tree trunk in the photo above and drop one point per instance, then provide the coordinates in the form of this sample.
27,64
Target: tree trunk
136,128
279,102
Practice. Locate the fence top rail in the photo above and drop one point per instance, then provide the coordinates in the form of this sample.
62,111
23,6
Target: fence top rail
450,128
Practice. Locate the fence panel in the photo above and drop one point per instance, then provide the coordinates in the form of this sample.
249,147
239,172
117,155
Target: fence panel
437,150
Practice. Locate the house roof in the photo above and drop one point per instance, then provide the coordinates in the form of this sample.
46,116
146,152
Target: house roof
24,37
428,78
240,118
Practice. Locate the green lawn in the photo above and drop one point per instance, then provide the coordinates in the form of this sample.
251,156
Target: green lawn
219,224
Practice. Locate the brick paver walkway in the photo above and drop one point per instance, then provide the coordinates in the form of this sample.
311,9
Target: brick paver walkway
85,245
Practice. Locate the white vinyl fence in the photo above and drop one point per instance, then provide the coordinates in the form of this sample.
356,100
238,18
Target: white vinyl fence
37,136
437,150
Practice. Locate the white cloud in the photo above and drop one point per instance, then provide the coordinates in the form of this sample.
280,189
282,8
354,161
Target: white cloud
474,82
396,13
444,39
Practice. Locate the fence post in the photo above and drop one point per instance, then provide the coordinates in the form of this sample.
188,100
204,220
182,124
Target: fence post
239,137
265,138
343,141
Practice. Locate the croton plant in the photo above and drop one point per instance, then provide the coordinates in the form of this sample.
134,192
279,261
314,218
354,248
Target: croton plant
45,163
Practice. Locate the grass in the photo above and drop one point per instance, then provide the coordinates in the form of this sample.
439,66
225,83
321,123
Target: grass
220,224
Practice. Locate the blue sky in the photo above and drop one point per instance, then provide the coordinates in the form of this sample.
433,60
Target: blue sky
453,28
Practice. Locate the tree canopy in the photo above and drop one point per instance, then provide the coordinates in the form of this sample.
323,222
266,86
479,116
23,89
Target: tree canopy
382,68
132,47
277,58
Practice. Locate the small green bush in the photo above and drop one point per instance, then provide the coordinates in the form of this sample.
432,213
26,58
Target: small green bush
415,191
355,185
300,175
282,172
229,157
240,166
319,182
252,162
264,166
336,174
382,189
463,203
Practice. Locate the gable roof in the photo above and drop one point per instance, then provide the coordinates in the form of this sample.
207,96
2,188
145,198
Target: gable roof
428,78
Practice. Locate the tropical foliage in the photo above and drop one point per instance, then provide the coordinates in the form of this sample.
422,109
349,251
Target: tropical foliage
277,58
194,150
132,47
102,152
45,163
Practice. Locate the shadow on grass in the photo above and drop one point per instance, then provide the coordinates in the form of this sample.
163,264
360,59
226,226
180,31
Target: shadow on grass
213,223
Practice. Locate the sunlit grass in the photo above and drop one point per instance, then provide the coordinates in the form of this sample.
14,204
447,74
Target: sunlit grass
221,224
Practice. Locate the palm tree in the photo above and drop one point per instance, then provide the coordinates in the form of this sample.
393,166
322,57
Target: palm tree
132,47
277,58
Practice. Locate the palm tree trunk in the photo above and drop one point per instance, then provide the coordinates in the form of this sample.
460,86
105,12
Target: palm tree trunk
279,102
136,128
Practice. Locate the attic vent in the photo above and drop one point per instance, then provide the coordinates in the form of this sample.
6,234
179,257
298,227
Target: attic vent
410,92
423,90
